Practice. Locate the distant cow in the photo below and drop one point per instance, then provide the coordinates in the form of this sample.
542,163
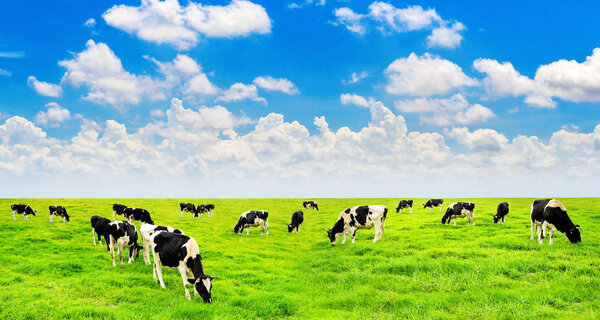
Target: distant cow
177,251
297,219
501,212
205,208
253,219
123,234
460,210
100,228
137,214
146,231
23,209
403,205
118,210
58,211
358,217
310,204
434,203
187,207
551,213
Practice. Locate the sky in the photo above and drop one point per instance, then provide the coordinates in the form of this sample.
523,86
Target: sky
299,98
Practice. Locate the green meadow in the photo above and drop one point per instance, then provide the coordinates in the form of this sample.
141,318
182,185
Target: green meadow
421,269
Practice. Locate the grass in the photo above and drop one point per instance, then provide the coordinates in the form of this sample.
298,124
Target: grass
420,269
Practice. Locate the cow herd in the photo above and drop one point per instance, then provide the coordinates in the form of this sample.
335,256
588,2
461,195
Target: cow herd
173,249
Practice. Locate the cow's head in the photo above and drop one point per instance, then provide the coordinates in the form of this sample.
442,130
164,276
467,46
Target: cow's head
67,217
31,211
290,228
447,216
496,219
136,249
574,234
333,237
238,228
202,287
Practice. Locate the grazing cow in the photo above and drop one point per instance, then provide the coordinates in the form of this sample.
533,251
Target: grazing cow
551,213
358,217
434,203
177,251
501,212
118,210
297,219
403,205
310,204
460,210
123,234
205,208
100,228
22,209
147,230
137,214
252,219
187,207
58,211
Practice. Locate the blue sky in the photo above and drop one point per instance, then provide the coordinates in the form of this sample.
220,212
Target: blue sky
500,93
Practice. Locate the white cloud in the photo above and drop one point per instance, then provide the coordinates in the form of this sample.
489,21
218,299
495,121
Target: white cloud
356,77
446,37
158,113
54,116
182,26
5,73
12,54
305,3
44,88
90,23
502,79
444,112
239,91
347,98
480,140
408,19
272,84
350,19
425,75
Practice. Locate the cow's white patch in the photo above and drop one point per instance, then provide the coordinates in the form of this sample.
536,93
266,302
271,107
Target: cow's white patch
556,204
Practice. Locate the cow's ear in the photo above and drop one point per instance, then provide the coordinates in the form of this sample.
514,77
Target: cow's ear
328,230
191,280
212,278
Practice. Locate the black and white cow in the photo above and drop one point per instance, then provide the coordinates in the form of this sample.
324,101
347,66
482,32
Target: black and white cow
123,234
253,219
460,210
23,209
118,210
177,251
434,203
310,204
137,214
100,228
146,231
403,205
358,217
187,207
58,211
501,212
297,219
551,213
209,209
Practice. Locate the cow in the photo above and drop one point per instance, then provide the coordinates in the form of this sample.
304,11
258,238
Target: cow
187,207
205,208
501,212
22,209
252,219
551,213
137,214
58,211
123,234
310,204
460,210
297,219
146,231
100,228
177,251
434,203
358,217
118,210
403,205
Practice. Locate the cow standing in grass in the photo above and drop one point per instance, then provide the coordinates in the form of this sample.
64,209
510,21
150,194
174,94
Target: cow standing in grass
23,209
121,235
403,205
359,217
501,212
460,210
137,214
552,214
209,209
187,207
177,251
146,231
297,219
252,219
58,211
118,209
100,229
434,203
310,204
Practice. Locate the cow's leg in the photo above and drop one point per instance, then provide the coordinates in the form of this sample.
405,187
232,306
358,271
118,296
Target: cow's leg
353,235
114,215
540,233
181,215
551,240
63,219
26,217
503,219
212,212
430,209
532,229
111,246
454,220
186,284
51,217
130,260
473,218
94,236
14,218
120,250
248,231
154,266
345,236
146,252
267,226
441,208
262,228
158,270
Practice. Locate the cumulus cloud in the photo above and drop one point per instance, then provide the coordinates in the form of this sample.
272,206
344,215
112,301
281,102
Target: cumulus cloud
53,116
305,3
272,84
446,111
480,140
347,98
425,75
89,23
356,77
350,19
446,37
44,88
239,91
182,26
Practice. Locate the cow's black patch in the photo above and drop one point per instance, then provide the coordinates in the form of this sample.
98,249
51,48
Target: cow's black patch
361,215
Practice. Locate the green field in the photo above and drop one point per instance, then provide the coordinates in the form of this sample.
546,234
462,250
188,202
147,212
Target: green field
420,269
